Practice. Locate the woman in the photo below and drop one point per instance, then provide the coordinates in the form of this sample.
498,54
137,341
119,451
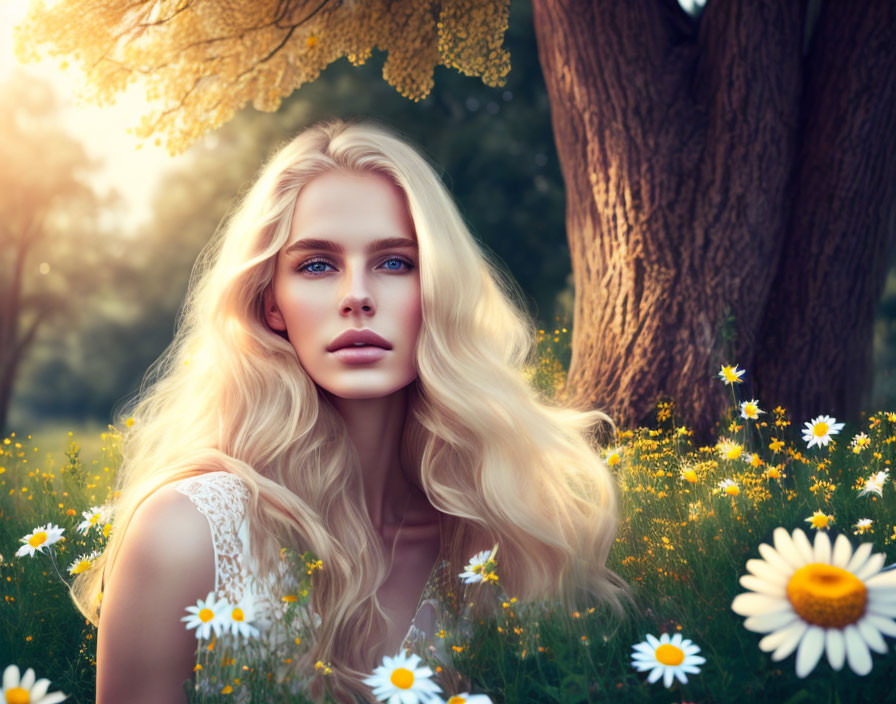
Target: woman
416,450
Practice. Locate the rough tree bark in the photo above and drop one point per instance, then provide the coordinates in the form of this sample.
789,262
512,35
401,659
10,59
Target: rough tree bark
718,172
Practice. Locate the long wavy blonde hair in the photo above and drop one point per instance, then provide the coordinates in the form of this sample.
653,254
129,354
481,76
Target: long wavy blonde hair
503,464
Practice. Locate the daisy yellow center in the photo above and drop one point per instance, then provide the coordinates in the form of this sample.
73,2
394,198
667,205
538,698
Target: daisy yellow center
17,695
750,409
81,567
821,429
37,539
729,374
402,678
819,521
206,615
690,475
732,490
669,654
826,595
238,615
456,700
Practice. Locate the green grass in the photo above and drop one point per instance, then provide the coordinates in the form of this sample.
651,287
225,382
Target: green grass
682,545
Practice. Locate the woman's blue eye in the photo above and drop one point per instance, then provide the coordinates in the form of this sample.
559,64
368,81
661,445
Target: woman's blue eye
306,266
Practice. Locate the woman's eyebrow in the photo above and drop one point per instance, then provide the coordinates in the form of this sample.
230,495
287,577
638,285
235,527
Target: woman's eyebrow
328,246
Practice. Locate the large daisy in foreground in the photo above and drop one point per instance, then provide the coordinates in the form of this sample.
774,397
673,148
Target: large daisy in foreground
399,681
23,688
812,598
667,658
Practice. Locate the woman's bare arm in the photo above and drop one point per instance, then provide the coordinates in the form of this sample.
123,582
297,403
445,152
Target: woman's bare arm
167,562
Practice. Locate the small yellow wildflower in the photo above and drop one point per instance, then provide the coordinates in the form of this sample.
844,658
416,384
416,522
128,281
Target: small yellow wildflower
689,475
729,450
820,520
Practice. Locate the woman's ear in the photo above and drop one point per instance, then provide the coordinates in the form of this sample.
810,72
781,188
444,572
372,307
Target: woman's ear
271,312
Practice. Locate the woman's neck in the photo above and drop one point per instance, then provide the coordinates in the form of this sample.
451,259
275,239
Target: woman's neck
375,427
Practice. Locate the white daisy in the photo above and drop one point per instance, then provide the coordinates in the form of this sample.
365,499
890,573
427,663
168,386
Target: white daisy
730,374
862,526
467,698
83,563
729,486
42,537
207,615
667,658
95,516
17,688
818,431
399,681
750,410
478,569
819,598
875,484
240,617
859,442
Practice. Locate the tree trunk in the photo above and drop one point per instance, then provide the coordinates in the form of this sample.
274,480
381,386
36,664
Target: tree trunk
691,191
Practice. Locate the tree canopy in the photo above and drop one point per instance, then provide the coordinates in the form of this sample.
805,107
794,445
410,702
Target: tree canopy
202,60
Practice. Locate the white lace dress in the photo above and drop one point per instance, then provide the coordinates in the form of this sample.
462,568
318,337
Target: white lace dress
223,499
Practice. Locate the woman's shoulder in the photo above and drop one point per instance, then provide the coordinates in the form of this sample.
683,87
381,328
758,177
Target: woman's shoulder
165,533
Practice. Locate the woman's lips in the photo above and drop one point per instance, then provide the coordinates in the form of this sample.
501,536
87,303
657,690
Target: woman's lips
359,355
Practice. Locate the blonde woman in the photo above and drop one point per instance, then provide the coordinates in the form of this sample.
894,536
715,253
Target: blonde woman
266,424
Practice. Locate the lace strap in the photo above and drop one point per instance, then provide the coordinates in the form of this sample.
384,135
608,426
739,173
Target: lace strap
222,498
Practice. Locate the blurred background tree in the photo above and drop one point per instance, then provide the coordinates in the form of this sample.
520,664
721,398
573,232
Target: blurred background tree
50,261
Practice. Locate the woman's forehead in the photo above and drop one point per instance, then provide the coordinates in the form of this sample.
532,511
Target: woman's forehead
356,208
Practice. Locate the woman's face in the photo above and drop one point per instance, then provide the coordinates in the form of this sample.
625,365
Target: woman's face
320,291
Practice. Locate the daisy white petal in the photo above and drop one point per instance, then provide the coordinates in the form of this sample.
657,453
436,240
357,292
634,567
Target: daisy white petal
767,571
757,584
822,548
771,621
856,651
842,552
809,651
773,640
771,556
871,636
859,557
883,579
884,625
871,567
883,608
802,544
835,647
751,604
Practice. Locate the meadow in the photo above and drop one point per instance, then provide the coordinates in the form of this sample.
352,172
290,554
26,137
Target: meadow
779,534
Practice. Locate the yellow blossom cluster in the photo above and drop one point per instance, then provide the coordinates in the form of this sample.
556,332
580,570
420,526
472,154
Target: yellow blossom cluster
201,62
